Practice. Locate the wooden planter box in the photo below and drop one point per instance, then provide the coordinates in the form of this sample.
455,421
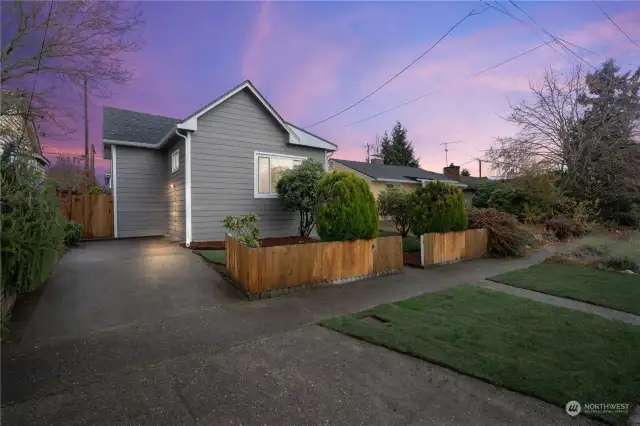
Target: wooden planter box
267,271
453,246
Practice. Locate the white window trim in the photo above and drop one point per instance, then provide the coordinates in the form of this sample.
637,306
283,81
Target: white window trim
257,154
176,152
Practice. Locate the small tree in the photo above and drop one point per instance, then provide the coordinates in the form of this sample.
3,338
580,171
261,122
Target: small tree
297,188
437,207
395,202
243,228
465,172
397,149
346,208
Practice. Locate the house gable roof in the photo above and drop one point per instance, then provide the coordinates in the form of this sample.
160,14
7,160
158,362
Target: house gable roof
136,127
139,129
387,172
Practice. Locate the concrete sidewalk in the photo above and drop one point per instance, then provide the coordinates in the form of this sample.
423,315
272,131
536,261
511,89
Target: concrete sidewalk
220,360
306,376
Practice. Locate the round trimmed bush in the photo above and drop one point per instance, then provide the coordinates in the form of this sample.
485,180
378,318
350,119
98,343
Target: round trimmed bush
437,207
346,208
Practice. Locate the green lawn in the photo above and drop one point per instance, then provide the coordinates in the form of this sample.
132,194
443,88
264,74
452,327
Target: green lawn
552,353
215,256
409,243
609,289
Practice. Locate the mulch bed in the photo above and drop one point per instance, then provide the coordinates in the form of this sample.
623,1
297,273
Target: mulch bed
264,242
412,258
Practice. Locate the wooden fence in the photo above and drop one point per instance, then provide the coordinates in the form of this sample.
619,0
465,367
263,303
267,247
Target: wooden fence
263,269
94,212
452,246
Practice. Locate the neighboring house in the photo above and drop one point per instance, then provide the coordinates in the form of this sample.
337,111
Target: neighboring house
385,176
181,177
16,133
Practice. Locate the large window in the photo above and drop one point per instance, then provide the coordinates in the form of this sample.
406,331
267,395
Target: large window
268,169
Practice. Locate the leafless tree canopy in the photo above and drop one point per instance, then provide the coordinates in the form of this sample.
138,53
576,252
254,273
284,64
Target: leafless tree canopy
584,127
83,38
68,172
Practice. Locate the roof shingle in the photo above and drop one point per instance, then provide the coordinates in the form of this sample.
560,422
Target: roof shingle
132,126
387,171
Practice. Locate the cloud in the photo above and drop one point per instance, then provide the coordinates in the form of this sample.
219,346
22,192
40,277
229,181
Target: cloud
470,109
260,32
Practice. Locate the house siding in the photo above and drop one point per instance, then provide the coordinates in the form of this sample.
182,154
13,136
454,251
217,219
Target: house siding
222,169
141,181
176,193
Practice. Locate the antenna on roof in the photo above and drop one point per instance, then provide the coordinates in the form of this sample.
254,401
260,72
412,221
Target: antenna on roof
446,150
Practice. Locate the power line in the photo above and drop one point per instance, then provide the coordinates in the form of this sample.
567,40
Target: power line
473,12
557,40
439,90
553,36
507,12
617,26
35,77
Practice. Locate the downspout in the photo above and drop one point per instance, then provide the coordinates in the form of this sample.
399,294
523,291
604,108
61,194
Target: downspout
187,185
114,190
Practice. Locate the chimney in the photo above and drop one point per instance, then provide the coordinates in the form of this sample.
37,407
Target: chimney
377,160
452,172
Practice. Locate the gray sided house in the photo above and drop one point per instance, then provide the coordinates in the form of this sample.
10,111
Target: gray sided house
180,177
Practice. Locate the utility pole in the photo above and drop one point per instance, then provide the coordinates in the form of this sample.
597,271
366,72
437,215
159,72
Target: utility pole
446,150
86,128
92,168
85,195
479,167
368,156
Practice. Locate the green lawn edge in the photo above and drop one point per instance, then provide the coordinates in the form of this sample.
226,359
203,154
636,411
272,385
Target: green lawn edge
353,326
608,289
213,256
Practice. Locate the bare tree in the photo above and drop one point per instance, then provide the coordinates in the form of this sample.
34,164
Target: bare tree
68,172
62,42
546,124
577,128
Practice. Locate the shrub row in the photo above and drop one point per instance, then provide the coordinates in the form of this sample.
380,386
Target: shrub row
33,228
506,237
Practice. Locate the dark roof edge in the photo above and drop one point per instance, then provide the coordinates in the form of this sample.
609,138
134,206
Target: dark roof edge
341,162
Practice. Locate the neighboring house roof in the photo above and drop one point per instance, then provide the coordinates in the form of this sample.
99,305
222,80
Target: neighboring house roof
389,173
473,182
123,127
132,126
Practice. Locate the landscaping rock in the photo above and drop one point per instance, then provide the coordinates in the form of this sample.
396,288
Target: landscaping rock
628,271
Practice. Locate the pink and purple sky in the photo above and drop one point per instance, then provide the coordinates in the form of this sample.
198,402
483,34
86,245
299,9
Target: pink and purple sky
311,60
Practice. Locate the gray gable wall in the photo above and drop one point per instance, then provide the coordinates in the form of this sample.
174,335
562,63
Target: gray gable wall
141,192
222,171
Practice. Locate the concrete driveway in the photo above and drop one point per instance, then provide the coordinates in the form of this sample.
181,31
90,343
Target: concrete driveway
144,332
105,284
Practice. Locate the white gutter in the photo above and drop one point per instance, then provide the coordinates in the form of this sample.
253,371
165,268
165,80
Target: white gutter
114,191
187,185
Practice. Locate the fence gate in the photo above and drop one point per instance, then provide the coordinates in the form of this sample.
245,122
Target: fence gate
94,212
